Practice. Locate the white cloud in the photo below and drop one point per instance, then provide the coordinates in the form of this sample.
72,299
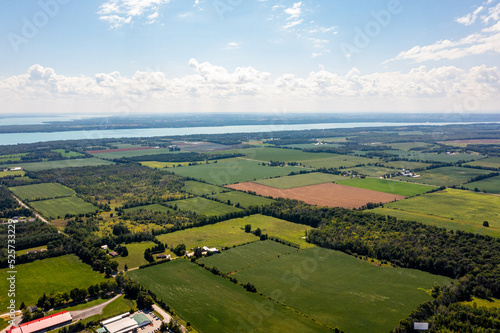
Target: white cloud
232,46
493,14
471,17
216,85
293,13
120,12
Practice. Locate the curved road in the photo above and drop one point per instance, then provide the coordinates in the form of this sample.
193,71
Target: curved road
89,312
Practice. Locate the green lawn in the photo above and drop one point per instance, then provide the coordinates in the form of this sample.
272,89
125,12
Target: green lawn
232,170
306,179
387,186
203,206
244,199
243,257
48,275
467,209
53,208
339,290
488,185
42,191
446,176
490,162
198,188
38,166
153,208
213,304
68,154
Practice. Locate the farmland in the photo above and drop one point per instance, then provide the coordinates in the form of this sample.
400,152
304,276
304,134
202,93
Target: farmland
447,176
68,153
489,185
198,188
42,191
490,162
245,256
129,152
49,275
373,171
11,157
54,208
337,161
355,295
387,186
213,304
243,199
135,256
464,207
328,194
203,206
434,157
409,165
152,208
313,178
12,173
232,170
162,165
47,165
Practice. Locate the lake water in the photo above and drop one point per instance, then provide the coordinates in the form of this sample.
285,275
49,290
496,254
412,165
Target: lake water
15,138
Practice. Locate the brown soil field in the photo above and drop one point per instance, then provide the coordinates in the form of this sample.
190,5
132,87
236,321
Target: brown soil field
117,150
477,141
328,194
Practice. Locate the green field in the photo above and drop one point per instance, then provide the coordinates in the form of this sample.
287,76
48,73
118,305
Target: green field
68,154
203,206
265,154
488,185
339,290
467,209
38,166
436,220
446,176
49,275
306,179
244,199
11,173
12,157
337,161
152,208
25,251
133,153
387,186
408,145
373,171
162,165
490,162
213,304
433,157
54,208
405,165
232,170
42,191
243,257
198,188
135,256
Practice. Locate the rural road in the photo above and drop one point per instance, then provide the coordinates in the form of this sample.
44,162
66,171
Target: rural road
26,206
97,309
166,317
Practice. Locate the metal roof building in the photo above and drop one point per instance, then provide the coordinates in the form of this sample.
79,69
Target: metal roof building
44,324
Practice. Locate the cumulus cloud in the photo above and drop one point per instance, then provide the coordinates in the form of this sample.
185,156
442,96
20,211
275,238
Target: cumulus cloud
471,17
213,84
120,12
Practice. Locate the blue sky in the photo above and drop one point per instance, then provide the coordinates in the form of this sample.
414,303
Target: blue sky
147,56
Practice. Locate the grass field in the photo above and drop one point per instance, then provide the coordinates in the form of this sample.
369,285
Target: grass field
337,161
243,257
232,232
12,157
244,199
68,154
405,165
133,153
135,256
25,251
49,275
488,185
152,208
467,209
53,208
446,176
443,157
490,162
437,221
387,186
312,178
354,295
213,304
198,188
11,173
42,191
408,145
38,166
161,165
232,170
373,171
203,206
278,154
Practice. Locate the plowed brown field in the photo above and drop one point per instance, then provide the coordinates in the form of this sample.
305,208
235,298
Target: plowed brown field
328,194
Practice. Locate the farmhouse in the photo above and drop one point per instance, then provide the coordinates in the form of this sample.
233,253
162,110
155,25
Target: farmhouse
44,324
163,256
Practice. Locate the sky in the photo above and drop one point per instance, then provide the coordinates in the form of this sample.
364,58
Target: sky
119,57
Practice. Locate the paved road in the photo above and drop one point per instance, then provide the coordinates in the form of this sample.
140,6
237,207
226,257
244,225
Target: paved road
89,312
25,206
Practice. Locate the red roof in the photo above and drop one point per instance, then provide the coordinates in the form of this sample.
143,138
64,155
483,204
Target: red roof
43,323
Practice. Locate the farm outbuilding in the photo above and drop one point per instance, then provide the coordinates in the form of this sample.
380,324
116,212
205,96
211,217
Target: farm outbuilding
44,324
